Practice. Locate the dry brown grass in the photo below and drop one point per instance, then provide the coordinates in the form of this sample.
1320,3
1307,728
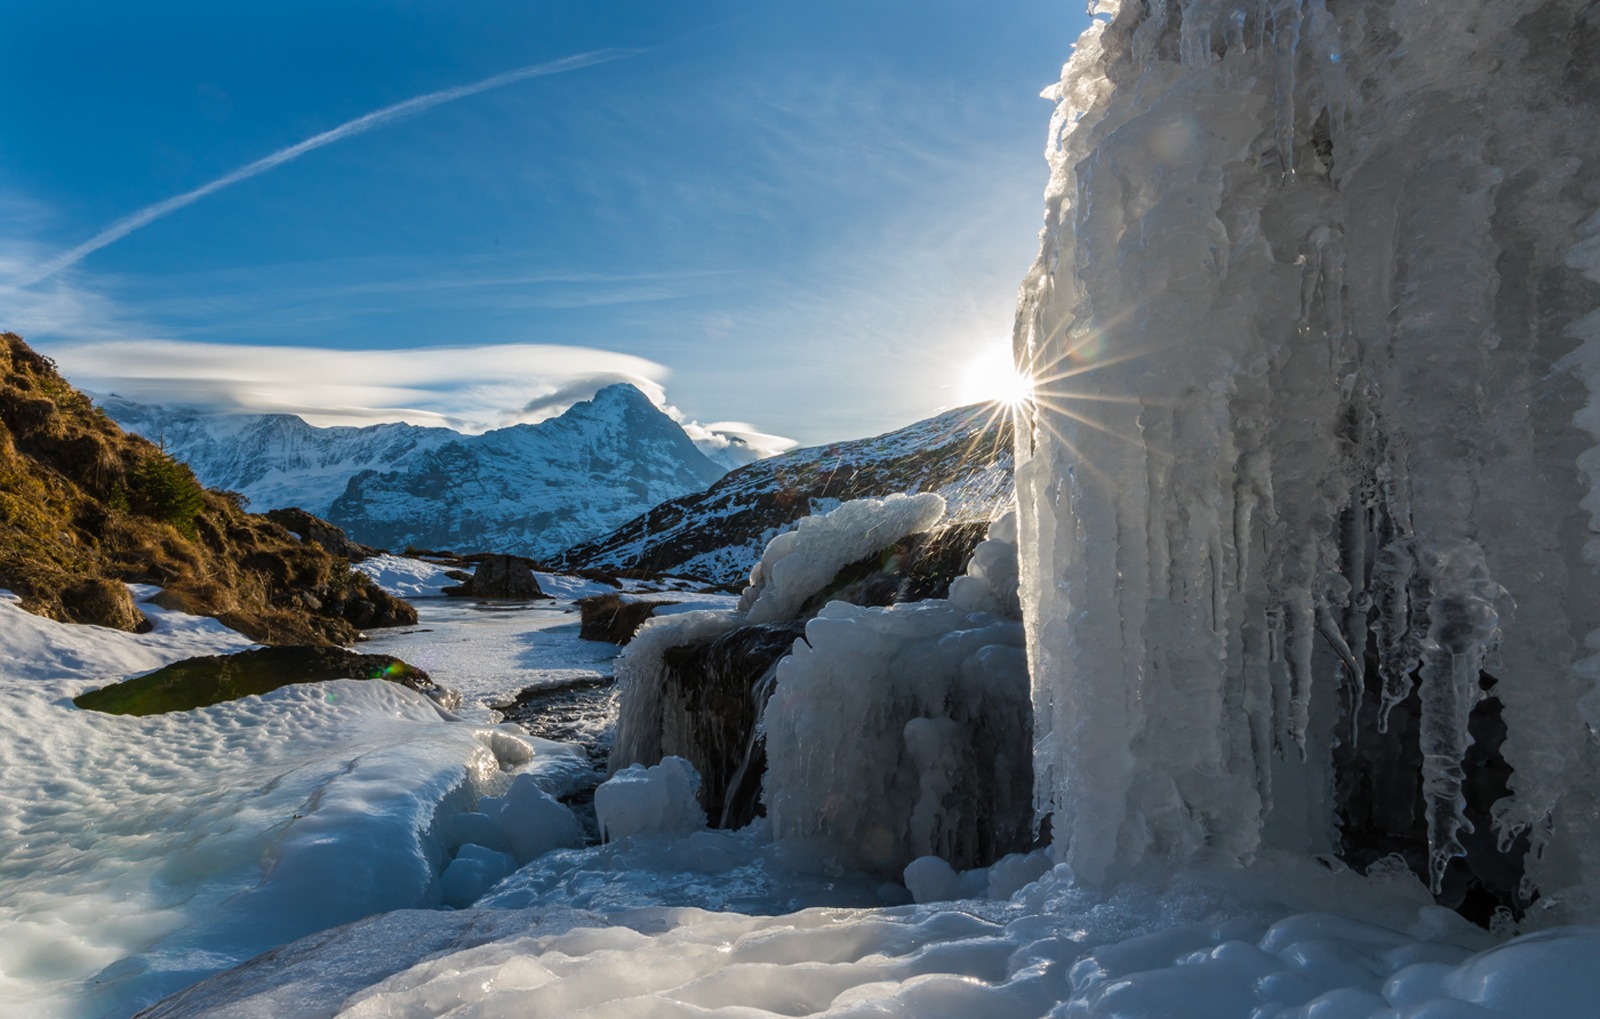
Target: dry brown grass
74,524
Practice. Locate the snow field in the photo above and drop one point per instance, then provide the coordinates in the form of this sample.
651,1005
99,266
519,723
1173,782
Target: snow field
140,854
407,578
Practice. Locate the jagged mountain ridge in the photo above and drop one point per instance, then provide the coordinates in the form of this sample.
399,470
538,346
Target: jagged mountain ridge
964,455
529,489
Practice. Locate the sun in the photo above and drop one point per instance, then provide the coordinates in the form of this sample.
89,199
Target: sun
993,376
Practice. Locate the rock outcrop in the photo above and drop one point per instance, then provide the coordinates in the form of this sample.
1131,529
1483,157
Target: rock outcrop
308,527
86,507
612,618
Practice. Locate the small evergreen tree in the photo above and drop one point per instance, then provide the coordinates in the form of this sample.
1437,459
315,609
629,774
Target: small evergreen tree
163,488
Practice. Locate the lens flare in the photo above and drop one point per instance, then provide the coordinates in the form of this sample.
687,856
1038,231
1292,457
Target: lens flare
993,376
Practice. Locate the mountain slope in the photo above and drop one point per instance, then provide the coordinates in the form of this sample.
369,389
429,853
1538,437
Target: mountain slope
527,489
964,455
86,507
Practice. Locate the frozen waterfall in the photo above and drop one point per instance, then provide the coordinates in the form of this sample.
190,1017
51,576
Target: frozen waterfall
1316,334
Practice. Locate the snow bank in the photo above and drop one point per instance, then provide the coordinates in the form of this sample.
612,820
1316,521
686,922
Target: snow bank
407,578
140,854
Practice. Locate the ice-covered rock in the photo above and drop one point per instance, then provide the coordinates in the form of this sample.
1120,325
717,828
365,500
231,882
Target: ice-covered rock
663,799
797,563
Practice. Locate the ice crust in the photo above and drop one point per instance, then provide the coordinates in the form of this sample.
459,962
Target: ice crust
1202,945
1316,366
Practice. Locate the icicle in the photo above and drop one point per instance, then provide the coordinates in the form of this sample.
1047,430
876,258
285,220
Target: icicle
1463,622
1397,652
1323,35
1147,37
1199,18
1286,47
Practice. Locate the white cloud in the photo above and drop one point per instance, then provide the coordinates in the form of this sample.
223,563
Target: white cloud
466,388
470,389
744,441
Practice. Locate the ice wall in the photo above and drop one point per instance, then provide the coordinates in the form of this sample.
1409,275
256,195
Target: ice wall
1317,345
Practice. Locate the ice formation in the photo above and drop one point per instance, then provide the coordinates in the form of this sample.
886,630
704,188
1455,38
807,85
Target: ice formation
797,563
1315,334
891,732
899,732
658,800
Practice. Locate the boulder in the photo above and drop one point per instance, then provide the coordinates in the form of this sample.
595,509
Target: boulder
103,602
500,576
311,528
212,679
608,617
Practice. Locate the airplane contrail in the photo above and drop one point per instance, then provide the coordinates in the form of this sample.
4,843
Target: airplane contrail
150,213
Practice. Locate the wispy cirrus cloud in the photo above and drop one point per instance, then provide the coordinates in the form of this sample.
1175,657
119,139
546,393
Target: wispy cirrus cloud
359,125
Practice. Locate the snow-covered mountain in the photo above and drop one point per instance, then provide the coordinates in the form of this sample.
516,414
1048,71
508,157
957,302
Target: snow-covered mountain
527,489
964,455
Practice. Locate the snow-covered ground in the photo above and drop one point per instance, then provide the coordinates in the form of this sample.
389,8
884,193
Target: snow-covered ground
488,651
140,854
1275,940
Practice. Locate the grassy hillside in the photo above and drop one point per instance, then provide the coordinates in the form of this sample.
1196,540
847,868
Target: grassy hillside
85,506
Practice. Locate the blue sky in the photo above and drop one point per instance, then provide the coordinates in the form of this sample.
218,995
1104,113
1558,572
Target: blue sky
807,216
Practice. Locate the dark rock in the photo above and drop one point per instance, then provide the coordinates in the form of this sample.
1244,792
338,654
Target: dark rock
711,700
500,576
311,528
212,679
607,617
